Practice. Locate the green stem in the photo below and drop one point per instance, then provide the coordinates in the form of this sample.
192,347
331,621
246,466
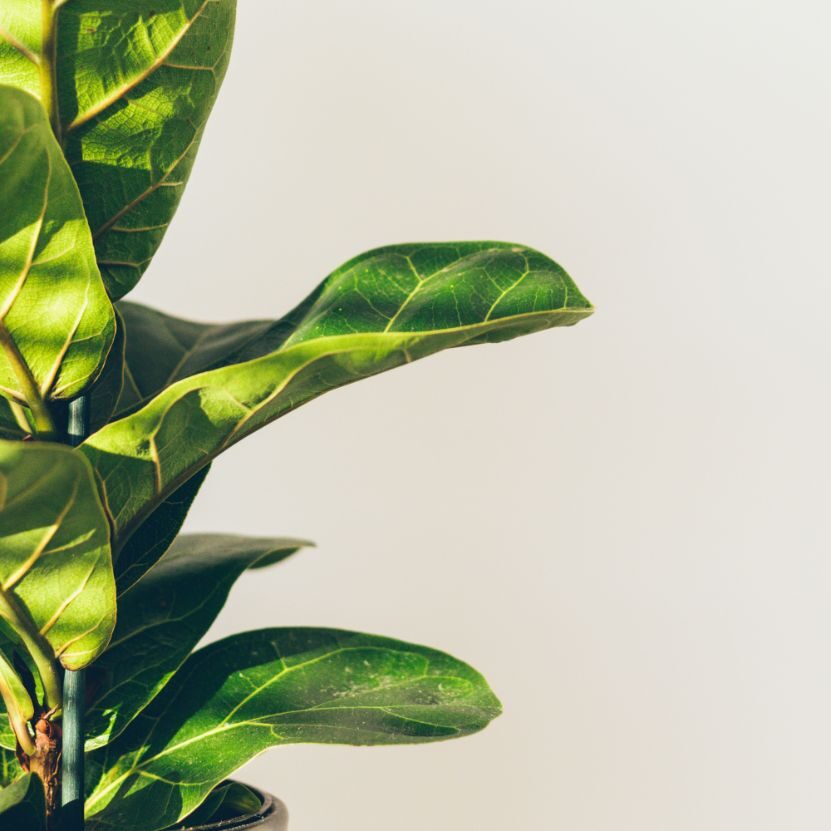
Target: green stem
74,702
18,724
20,417
41,654
41,416
48,85
19,706
72,757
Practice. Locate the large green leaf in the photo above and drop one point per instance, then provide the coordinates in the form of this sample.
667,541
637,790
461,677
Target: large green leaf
57,590
56,322
22,806
163,617
131,85
380,310
233,699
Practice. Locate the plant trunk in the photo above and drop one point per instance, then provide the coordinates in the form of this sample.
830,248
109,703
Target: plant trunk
45,763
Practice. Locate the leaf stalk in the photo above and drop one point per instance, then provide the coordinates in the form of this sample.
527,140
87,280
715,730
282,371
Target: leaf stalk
44,661
41,416
48,84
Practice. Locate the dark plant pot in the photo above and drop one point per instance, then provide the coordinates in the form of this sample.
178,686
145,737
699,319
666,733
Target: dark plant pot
272,816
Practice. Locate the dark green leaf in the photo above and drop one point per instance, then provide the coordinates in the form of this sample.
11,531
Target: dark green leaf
135,82
233,699
22,806
13,427
150,540
162,618
162,349
56,322
379,311
228,801
106,391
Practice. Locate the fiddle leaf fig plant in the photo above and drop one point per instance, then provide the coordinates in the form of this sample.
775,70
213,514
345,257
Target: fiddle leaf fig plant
110,416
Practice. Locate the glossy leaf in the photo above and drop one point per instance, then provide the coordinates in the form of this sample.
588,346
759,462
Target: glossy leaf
163,617
379,311
57,590
22,806
233,699
56,322
133,84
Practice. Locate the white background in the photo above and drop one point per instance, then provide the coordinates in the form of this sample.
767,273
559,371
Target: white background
624,525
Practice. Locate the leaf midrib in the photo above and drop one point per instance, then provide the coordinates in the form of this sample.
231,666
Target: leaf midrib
106,102
170,394
20,47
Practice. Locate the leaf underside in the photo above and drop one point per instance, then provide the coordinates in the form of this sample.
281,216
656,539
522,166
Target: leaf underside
55,568
379,311
56,322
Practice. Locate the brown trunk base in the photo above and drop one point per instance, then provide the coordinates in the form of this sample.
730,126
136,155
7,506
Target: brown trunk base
45,763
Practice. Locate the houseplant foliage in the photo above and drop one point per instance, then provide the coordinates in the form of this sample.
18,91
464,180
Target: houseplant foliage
102,107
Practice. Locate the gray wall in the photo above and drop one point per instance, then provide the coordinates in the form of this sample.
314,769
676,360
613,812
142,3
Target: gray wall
623,525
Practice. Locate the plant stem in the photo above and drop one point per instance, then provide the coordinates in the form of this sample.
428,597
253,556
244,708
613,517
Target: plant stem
72,758
41,416
19,621
48,85
19,706
74,701
20,417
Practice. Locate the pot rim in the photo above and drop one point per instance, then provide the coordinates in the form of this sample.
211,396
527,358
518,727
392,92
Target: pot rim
270,808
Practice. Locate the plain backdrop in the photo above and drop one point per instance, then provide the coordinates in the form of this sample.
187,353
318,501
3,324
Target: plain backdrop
624,525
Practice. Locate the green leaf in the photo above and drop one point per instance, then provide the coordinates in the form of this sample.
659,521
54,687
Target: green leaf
163,617
14,426
228,801
9,767
379,311
22,805
162,349
106,391
152,538
57,591
134,84
18,704
56,322
236,698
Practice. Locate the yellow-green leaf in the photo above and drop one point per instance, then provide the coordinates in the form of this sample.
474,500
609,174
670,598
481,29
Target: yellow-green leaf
56,321
57,590
131,85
